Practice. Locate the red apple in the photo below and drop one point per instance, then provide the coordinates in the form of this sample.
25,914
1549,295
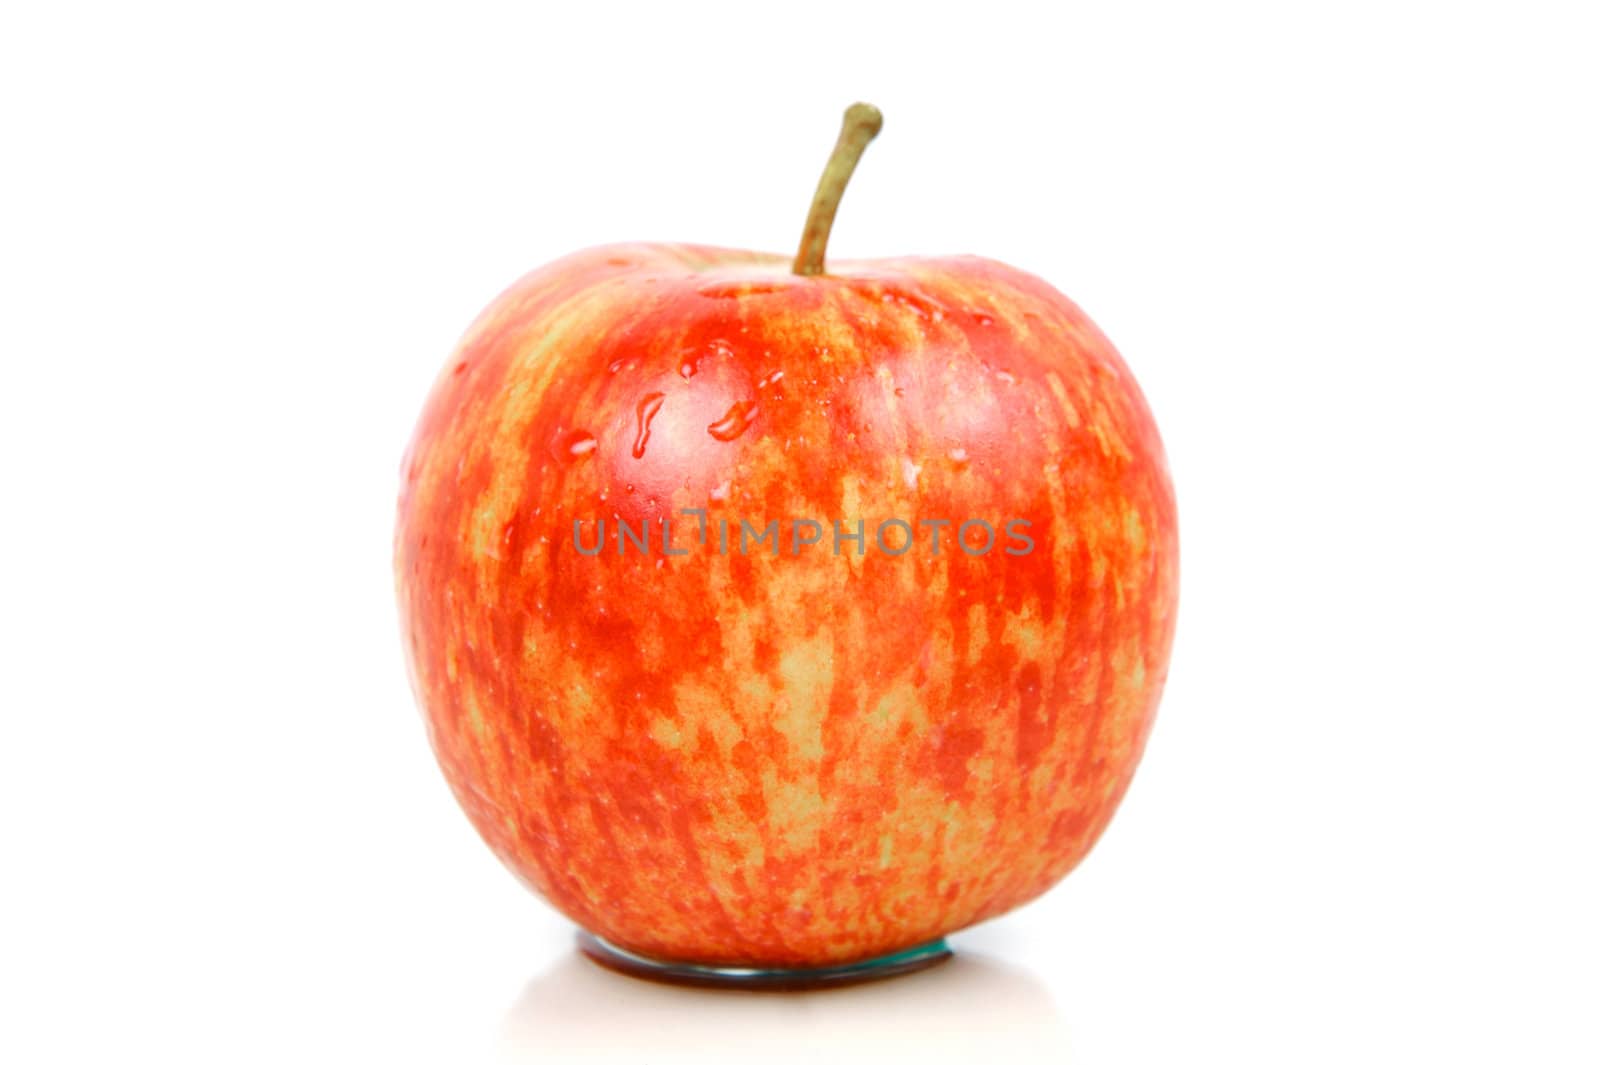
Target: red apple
802,753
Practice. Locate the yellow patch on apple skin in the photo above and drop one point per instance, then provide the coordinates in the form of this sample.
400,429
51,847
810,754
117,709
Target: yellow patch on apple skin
898,708
704,705
807,673
1063,400
667,733
1025,632
796,811
474,717
978,641
485,537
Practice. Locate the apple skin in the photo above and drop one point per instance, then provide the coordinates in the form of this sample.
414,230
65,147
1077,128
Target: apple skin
814,758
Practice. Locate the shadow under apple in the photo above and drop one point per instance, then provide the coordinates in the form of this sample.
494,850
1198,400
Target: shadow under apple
970,1005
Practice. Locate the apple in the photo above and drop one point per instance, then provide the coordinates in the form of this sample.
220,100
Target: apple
785,614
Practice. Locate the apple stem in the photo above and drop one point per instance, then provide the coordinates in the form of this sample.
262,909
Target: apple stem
861,123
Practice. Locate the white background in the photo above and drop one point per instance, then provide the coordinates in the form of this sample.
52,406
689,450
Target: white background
1351,251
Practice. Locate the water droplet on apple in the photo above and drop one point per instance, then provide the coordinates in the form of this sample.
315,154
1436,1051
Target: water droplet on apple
983,319
958,455
724,290
579,444
720,492
648,406
771,379
1007,376
616,365
690,361
733,424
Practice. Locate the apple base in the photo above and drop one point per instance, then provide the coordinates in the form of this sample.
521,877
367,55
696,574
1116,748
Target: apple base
756,979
